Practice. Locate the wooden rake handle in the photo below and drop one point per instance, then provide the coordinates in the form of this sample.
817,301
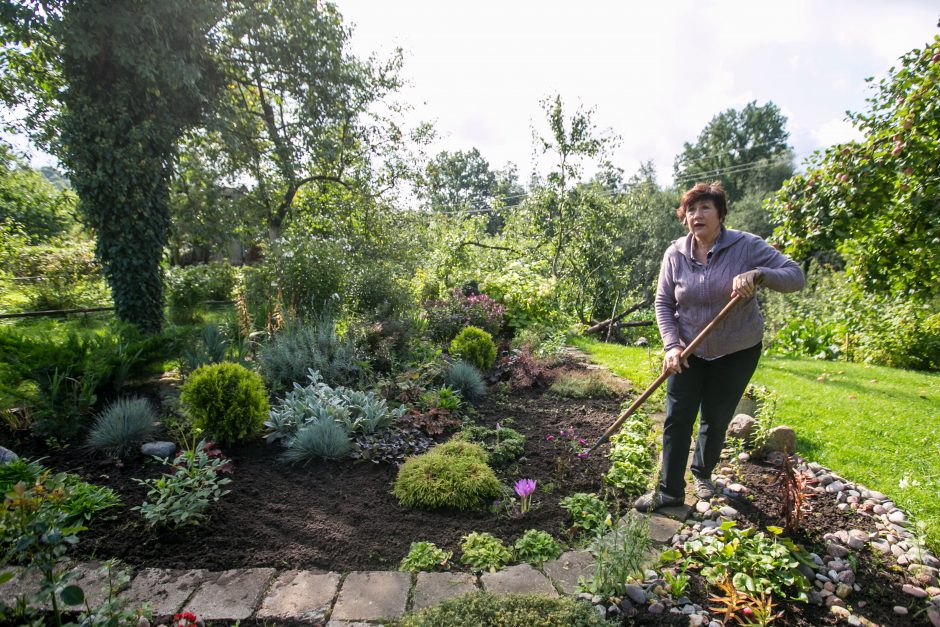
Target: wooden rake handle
629,411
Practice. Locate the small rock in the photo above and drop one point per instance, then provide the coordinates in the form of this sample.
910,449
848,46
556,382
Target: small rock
597,599
696,620
742,427
836,550
601,611
7,456
737,488
613,610
934,615
625,605
814,598
636,593
702,506
728,512
847,576
835,486
656,608
897,516
915,591
843,590
744,457
900,610
879,509
143,622
839,611
834,601
162,450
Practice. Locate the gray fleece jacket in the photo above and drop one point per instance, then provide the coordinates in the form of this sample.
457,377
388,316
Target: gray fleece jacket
690,295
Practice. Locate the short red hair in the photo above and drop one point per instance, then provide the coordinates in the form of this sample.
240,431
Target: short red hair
704,191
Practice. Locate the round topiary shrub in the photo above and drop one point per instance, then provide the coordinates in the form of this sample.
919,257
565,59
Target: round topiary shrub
461,448
433,481
474,346
228,401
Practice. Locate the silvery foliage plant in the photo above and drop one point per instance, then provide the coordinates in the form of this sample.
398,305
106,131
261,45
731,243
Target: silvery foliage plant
304,406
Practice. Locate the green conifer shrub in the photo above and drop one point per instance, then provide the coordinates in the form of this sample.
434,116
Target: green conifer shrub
474,346
227,400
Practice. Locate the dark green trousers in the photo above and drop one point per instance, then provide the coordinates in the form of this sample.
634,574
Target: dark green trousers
712,388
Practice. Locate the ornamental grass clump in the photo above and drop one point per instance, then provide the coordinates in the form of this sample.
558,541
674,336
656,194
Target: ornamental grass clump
122,427
323,439
475,346
465,378
438,480
226,400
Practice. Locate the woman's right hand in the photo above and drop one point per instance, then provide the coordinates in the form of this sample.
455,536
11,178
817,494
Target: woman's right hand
673,362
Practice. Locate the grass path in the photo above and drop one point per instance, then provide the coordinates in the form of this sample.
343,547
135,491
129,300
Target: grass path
874,425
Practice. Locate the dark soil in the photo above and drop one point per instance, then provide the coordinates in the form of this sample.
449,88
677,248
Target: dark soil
337,515
342,516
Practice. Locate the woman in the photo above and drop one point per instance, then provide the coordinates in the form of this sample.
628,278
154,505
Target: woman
699,273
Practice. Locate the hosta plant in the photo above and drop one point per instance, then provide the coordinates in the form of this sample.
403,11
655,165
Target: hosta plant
536,547
483,551
425,556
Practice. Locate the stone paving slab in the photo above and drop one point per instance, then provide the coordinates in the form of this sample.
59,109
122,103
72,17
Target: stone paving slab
92,582
20,585
376,595
677,512
301,595
231,594
165,590
520,579
432,588
570,565
662,528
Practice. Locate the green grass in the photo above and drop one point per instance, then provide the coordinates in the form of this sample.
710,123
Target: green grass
873,425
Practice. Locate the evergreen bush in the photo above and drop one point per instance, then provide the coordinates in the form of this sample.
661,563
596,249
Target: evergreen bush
466,379
460,448
475,346
123,426
227,400
433,481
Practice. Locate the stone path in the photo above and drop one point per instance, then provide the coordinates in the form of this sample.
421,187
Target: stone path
330,598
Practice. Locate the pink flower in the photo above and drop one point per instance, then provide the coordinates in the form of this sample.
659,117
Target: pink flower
525,487
549,438
583,455
582,441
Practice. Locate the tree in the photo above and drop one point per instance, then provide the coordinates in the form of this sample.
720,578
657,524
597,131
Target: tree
299,108
119,81
459,181
876,201
747,150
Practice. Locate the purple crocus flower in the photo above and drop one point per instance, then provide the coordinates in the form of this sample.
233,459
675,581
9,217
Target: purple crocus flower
524,488
583,455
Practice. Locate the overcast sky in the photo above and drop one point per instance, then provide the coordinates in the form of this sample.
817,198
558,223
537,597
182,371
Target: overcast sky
655,72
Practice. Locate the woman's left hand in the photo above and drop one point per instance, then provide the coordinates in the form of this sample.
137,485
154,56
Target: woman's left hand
745,284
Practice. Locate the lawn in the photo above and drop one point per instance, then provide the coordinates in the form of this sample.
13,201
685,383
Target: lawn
874,425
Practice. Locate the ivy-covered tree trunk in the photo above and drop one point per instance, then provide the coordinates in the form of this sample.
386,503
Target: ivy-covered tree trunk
137,74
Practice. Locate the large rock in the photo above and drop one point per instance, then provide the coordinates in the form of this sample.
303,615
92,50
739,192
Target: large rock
780,439
7,456
742,427
162,450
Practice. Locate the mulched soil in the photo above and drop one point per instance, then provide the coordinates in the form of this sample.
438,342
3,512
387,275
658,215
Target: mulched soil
342,516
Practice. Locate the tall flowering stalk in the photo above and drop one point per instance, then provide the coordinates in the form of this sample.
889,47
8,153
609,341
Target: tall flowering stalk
525,488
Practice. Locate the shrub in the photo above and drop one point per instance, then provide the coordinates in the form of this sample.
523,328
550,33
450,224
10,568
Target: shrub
483,551
590,384
588,513
182,498
506,610
446,317
189,286
433,481
460,448
298,348
425,556
467,380
475,346
227,400
121,428
324,439
536,547
504,445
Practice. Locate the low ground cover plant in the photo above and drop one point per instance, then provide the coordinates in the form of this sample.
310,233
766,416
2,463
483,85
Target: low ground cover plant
392,446
589,514
425,556
536,547
226,400
447,478
474,346
484,551
481,608
753,561
633,455
503,444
